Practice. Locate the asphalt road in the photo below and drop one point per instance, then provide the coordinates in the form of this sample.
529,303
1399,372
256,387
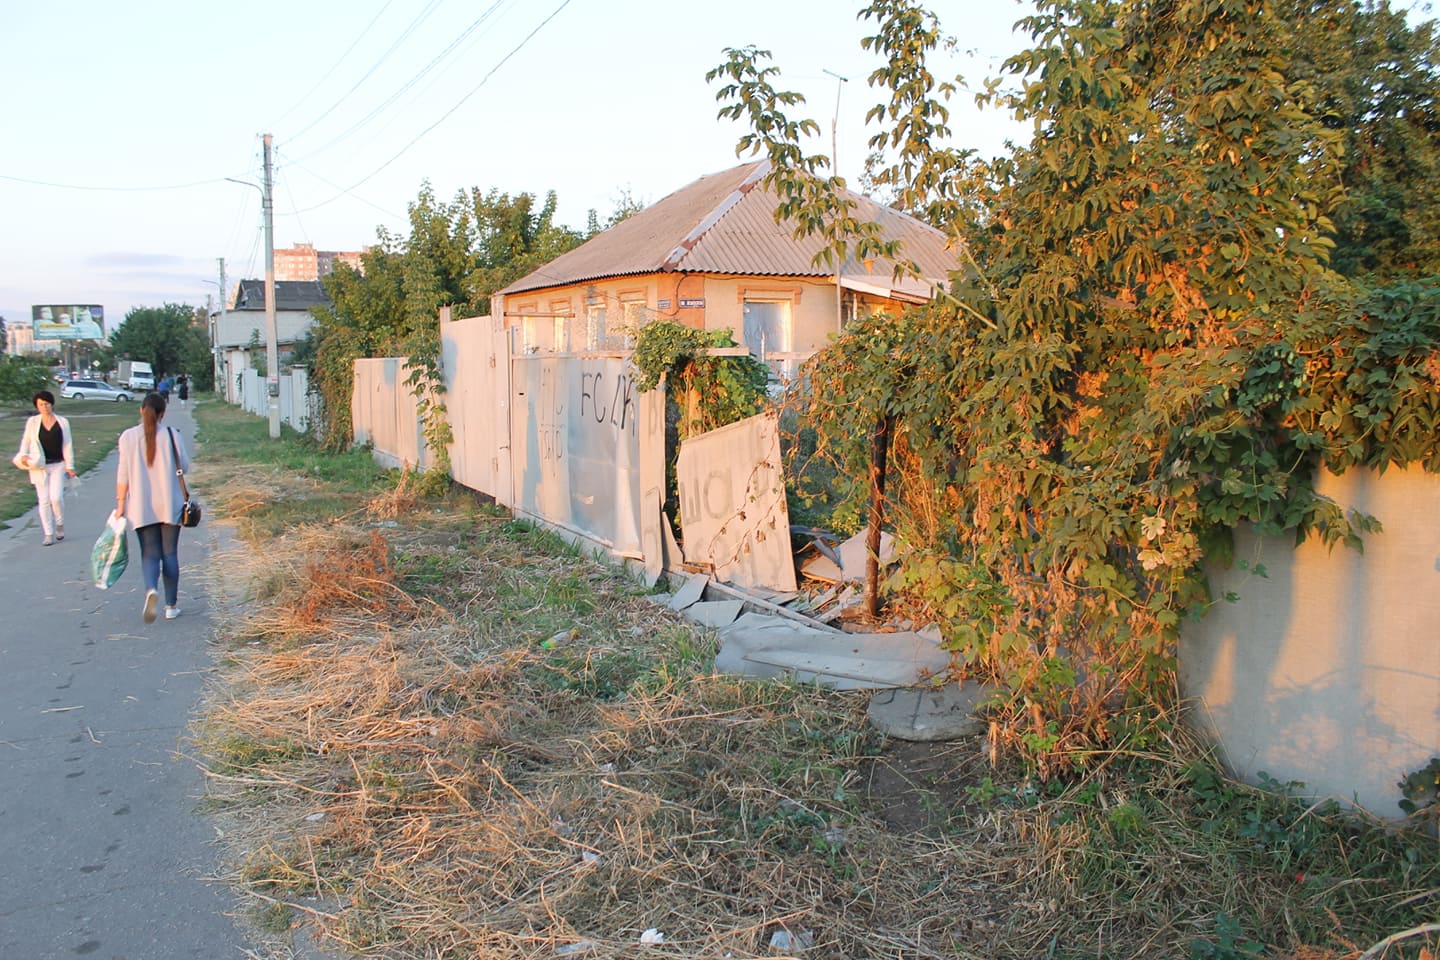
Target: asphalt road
103,853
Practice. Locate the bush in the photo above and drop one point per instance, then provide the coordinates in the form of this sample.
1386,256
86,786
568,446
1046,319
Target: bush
20,377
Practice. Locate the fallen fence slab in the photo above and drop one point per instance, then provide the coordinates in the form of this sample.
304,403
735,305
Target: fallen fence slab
764,647
714,613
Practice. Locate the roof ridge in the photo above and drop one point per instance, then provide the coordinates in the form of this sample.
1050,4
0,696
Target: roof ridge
674,257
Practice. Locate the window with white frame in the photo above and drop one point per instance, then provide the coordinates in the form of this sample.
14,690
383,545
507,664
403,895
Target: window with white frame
595,315
560,326
766,329
632,308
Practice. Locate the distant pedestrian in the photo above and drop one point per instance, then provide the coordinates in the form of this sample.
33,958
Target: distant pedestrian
163,387
147,494
47,450
182,387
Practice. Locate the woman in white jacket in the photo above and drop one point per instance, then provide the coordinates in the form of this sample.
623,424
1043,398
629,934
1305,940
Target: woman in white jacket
47,450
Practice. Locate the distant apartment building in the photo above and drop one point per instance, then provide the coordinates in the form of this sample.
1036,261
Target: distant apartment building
304,262
19,338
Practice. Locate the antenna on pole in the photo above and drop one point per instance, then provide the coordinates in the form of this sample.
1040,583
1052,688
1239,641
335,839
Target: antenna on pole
835,171
835,121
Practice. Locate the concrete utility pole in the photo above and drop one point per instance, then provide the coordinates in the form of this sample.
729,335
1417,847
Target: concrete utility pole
217,367
272,347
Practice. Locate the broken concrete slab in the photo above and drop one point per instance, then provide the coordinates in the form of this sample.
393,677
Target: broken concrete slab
851,556
928,714
714,613
764,647
690,591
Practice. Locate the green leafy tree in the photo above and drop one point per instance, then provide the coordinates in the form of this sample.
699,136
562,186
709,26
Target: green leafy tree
511,238
457,254
20,377
171,338
1145,345
1376,80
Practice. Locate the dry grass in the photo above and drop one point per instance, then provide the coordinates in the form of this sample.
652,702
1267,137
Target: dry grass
443,735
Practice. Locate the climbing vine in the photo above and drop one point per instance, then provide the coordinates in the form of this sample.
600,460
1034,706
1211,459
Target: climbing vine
711,390
1145,348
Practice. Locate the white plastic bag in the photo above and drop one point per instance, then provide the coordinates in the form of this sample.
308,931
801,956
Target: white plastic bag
110,554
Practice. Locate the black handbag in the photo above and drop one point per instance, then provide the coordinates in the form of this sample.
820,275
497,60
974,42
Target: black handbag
190,509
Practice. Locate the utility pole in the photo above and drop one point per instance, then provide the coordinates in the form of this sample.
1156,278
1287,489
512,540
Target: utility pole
272,347
217,366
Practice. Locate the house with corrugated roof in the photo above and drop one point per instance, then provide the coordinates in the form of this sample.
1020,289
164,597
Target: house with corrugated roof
241,325
244,316
711,256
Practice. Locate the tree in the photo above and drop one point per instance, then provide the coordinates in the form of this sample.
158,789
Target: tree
1377,83
171,338
1139,350
20,377
457,254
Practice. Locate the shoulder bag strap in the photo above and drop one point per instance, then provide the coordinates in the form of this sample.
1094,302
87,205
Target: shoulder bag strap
184,490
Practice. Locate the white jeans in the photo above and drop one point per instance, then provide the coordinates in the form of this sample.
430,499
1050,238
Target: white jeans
51,494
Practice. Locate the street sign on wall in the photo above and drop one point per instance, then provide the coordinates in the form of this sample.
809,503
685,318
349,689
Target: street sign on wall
65,321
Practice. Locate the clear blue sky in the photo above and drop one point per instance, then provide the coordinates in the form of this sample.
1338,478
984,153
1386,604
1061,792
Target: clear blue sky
121,120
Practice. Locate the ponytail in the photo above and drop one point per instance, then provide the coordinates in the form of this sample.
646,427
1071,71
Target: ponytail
152,409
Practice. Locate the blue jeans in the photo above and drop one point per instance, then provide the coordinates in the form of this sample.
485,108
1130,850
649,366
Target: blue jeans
160,551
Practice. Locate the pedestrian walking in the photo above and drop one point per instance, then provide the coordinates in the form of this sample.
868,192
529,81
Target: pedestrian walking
182,387
47,450
148,495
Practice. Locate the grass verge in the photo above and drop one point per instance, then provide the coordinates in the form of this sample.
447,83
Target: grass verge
440,733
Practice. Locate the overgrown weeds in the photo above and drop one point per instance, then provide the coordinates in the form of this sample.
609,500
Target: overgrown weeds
443,734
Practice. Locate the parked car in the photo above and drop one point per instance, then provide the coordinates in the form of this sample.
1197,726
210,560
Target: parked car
92,390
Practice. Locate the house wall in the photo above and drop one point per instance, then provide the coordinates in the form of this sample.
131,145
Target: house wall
233,328
1326,669
699,301
813,316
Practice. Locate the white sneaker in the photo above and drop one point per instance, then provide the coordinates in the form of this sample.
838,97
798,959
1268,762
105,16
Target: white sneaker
47,541
171,613
152,600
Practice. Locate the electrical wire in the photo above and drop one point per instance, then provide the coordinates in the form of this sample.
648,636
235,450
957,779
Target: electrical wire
336,65
408,83
90,187
419,19
445,116
336,186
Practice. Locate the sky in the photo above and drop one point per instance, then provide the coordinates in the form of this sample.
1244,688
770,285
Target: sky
121,122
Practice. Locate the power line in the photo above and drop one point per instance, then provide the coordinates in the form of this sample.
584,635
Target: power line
336,65
445,116
419,19
331,183
81,186
408,83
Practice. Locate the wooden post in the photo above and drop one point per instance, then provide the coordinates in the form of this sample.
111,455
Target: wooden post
879,454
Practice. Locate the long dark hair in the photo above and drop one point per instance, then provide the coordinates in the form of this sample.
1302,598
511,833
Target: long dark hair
152,410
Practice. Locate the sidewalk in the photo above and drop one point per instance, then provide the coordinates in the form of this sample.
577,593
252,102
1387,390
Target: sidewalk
102,850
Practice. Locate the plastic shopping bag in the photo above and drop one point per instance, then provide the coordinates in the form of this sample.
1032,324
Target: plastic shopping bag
110,554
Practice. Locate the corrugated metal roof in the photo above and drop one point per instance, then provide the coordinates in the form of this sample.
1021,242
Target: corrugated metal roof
289,295
725,223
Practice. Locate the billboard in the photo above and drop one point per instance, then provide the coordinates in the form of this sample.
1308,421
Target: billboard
57,321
